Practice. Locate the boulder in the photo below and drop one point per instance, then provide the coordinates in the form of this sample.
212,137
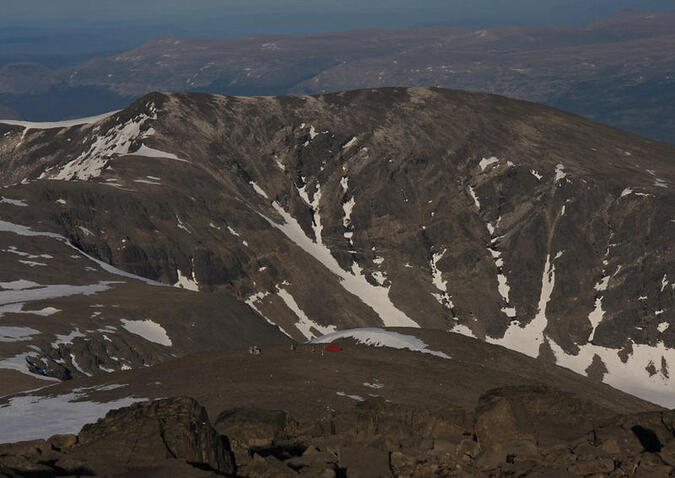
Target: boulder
496,422
537,412
365,462
593,466
254,429
147,434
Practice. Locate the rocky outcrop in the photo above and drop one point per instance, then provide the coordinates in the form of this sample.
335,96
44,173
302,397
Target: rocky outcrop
514,431
250,429
499,438
147,438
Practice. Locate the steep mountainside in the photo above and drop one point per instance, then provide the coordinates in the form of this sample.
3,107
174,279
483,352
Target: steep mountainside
512,222
620,71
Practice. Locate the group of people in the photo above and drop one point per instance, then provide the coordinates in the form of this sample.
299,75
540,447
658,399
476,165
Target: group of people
255,350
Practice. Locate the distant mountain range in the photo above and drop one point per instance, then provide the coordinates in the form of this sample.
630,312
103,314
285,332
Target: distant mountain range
620,71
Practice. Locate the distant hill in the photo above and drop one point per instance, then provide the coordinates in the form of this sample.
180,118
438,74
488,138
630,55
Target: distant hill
620,71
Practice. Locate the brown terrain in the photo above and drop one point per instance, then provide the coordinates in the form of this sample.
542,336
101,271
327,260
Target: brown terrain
289,218
483,411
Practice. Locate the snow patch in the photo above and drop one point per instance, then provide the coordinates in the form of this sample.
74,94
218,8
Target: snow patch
560,172
33,263
13,202
253,300
527,339
85,231
18,284
68,338
348,207
476,201
373,385
147,181
17,308
376,337
184,282
304,324
437,279
16,334
279,164
58,124
358,398
344,182
462,330
19,363
37,292
181,225
116,141
149,330
485,162
630,377
33,417
156,153
379,277
375,297
502,282
258,189
313,202
352,142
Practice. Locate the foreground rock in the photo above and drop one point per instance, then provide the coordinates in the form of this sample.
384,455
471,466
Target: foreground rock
171,436
513,431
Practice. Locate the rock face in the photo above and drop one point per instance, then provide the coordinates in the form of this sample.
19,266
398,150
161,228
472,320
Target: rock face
176,428
372,439
515,223
254,428
497,439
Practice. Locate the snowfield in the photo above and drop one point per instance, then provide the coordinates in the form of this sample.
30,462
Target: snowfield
59,124
31,417
149,330
381,338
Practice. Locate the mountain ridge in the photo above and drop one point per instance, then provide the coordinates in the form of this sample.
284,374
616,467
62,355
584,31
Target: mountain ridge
461,211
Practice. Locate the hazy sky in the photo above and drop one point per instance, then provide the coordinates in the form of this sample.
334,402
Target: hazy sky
282,16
